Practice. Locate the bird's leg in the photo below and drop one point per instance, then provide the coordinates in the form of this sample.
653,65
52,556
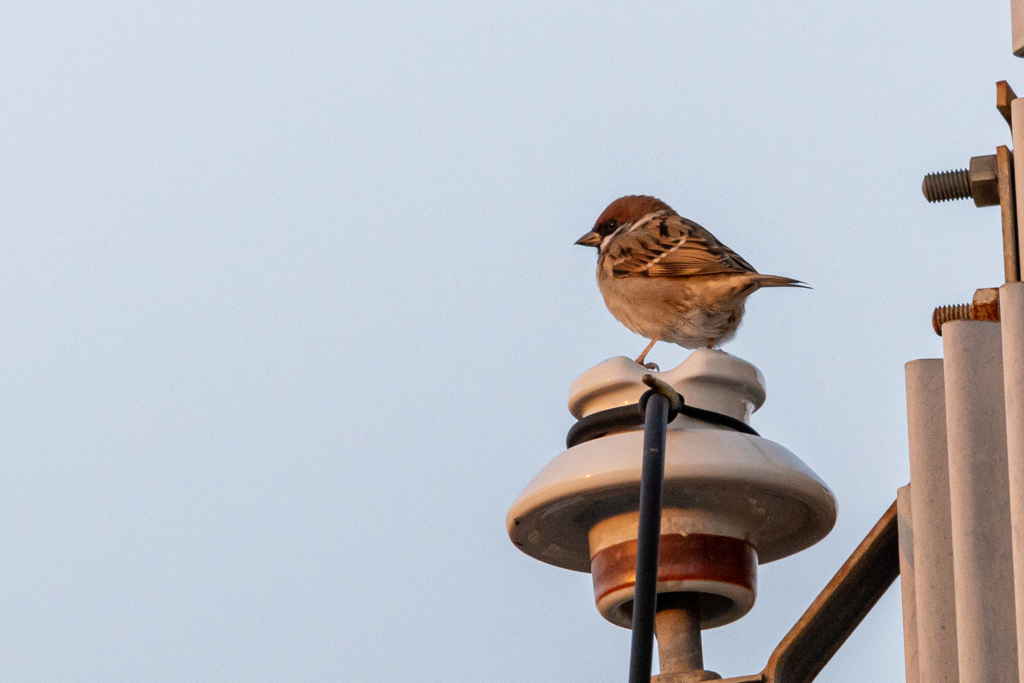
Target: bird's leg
642,356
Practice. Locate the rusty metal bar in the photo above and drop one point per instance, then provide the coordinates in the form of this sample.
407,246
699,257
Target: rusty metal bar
837,610
1008,210
979,488
840,608
1004,96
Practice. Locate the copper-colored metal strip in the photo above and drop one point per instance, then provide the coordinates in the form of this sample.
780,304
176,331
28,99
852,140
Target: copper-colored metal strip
1008,209
684,557
839,609
1005,95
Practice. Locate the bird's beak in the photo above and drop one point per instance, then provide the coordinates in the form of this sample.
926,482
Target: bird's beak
591,239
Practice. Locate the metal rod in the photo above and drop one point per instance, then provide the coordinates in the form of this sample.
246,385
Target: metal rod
838,609
933,534
645,596
1011,313
979,487
678,630
1017,130
908,583
1008,210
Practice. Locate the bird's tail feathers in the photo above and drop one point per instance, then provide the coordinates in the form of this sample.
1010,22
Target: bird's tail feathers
779,281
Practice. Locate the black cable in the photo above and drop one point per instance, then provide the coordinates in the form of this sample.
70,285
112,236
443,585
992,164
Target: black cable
625,418
645,590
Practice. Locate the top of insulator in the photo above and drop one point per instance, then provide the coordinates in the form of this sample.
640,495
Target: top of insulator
708,379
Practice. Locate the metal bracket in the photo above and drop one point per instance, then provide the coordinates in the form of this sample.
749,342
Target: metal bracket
1008,211
989,181
838,609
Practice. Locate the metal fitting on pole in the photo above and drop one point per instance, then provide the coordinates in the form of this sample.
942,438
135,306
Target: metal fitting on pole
990,181
984,307
977,182
908,583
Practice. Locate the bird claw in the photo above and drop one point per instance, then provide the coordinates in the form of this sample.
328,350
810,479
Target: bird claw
652,366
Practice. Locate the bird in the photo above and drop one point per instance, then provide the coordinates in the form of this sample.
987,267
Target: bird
668,279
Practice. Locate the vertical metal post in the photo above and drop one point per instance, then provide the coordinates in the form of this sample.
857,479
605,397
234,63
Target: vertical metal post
678,629
934,590
905,524
645,596
1011,313
986,624
839,608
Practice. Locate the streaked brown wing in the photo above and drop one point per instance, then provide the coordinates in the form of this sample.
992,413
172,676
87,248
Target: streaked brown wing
672,246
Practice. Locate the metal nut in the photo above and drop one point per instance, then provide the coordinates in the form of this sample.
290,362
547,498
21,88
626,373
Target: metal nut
984,307
984,184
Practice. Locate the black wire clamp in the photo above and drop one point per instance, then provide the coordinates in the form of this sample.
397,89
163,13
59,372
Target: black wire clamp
626,418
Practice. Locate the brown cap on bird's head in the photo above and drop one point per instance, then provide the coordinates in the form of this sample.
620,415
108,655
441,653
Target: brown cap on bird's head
628,209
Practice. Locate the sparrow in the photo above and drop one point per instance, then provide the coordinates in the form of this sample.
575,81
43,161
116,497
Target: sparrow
667,278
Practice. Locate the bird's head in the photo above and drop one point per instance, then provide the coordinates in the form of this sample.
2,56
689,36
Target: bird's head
623,212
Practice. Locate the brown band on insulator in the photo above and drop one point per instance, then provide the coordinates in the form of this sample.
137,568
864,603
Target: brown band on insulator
683,557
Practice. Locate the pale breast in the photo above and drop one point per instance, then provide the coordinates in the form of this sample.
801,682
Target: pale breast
692,312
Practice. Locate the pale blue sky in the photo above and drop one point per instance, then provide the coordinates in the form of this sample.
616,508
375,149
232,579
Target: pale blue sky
291,306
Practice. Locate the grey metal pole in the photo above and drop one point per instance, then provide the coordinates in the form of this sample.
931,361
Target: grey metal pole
905,524
678,628
980,502
1017,23
934,591
1011,313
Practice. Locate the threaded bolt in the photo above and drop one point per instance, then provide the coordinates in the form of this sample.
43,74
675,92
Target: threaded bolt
945,314
941,187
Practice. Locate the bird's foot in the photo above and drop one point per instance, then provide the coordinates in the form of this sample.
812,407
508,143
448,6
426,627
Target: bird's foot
643,356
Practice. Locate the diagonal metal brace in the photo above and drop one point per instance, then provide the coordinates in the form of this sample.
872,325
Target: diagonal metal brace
838,609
